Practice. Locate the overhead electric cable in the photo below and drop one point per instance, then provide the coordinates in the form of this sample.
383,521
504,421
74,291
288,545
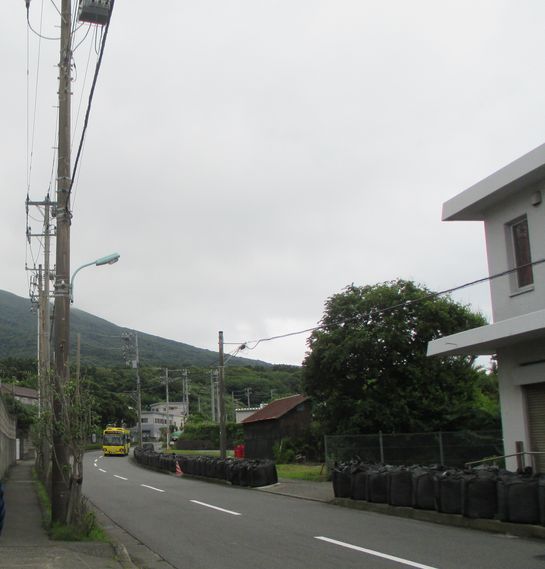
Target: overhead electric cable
32,29
30,142
91,94
77,118
244,345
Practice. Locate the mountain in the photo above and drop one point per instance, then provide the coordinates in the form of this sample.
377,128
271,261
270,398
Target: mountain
101,342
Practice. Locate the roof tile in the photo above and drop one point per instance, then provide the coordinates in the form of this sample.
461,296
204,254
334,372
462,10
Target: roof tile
276,409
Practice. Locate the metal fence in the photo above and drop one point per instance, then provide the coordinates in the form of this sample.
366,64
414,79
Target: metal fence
446,448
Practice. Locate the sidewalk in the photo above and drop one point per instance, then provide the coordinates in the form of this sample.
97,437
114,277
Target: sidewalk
24,542
306,490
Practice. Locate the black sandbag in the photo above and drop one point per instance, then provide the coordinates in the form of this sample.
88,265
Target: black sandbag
271,475
358,484
377,485
341,481
448,492
424,488
518,499
480,495
233,472
400,487
541,498
258,475
244,473
188,464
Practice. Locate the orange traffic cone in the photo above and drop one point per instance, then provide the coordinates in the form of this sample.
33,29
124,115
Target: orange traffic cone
178,469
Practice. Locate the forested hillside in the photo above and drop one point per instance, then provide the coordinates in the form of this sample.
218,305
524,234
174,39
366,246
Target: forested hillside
113,389
101,343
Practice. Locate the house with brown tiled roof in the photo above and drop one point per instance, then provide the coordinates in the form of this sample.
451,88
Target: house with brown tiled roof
283,418
25,395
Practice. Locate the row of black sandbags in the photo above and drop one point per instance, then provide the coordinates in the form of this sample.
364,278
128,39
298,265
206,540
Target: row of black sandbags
480,493
240,472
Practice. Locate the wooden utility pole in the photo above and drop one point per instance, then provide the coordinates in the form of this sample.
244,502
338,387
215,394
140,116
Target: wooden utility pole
168,409
213,396
138,388
221,392
60,491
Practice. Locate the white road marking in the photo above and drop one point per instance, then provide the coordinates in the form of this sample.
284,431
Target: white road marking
375,553
120,477
102,470
95,465
216,508
151,488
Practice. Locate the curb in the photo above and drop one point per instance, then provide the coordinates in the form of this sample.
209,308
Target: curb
122,541
120,550
456,520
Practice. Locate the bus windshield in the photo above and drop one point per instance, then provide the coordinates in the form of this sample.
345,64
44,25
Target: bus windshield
113,440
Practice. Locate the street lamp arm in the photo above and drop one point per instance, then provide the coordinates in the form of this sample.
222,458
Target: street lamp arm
108,260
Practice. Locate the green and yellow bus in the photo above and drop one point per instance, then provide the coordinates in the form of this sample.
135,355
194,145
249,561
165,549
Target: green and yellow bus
116,441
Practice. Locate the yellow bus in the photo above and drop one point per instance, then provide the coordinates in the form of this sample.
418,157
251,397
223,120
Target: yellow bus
116,441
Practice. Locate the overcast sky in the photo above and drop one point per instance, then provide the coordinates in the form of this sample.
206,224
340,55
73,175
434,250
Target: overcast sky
248,159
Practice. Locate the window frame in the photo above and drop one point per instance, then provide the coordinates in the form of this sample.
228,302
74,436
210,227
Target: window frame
520,253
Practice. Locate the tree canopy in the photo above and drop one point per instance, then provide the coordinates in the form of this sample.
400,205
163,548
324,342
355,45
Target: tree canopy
367,369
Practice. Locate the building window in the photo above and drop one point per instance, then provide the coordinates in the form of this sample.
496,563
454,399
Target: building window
521,252
144,419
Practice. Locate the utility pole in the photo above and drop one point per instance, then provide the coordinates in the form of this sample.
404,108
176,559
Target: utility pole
60,490
185,388
132,359
136,365
168,408
213,396
221,389
248,391
46,312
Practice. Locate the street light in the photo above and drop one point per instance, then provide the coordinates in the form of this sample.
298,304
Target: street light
108,260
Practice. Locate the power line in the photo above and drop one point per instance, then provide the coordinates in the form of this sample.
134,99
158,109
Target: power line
244,345
32,29
91,94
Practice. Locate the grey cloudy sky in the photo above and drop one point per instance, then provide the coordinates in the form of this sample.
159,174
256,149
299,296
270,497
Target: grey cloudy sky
250,158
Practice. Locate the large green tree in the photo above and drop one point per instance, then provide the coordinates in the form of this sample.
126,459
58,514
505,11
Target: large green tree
367,369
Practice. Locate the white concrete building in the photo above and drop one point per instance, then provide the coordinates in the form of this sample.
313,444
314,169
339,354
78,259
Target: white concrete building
511,205
244,412
158,418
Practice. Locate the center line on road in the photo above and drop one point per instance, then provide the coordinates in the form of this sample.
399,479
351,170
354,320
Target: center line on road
102,470
151,488
120,477
215,508
375,553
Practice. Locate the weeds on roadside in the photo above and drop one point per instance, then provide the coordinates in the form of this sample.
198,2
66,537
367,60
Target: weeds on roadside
87,528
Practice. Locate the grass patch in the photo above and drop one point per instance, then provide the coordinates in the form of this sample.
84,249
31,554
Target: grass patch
312,472
86,530
43,497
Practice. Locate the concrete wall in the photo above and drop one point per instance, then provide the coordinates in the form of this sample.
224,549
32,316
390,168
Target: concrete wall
507,300
7,439
518,365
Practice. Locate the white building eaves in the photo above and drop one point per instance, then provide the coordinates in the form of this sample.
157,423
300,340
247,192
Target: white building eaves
523,172
485,340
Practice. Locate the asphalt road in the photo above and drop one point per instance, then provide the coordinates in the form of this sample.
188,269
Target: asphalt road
200,525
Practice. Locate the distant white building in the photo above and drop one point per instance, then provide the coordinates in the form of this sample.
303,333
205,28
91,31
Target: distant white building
511,205
243,412
158,418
